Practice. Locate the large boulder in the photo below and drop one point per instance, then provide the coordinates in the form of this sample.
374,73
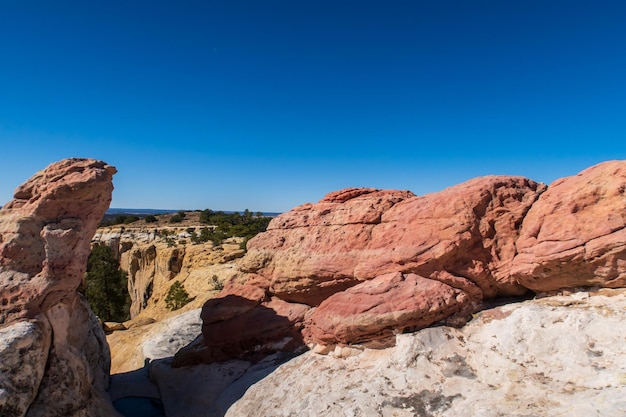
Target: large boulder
575,234
312,251
62,366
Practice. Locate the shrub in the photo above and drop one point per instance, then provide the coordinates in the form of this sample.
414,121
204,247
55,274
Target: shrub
217,284
176,218
176,296
130,219
150,219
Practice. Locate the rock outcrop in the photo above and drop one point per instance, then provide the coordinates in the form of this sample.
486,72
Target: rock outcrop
557,356
560,355
575,234
364,264
55,359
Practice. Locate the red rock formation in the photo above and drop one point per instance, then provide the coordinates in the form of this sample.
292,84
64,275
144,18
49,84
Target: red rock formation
370,263
575,234
312,251
377,308
45,235
316,251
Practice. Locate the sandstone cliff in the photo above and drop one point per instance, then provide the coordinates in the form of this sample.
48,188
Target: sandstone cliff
561,355
361,269
55,360
154,260
357,275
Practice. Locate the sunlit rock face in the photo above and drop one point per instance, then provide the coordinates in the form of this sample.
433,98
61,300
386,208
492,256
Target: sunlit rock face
152,265
365,264
55,360
575,234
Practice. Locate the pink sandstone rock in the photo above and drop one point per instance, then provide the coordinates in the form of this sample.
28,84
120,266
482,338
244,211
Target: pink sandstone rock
45,235
575,234
235,326
371,262
381,307
468,231
311,252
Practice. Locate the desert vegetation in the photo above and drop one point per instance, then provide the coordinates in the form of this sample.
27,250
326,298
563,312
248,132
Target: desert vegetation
177,296
106,286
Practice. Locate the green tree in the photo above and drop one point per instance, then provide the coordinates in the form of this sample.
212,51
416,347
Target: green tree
150,219
176,218
176,296
107,286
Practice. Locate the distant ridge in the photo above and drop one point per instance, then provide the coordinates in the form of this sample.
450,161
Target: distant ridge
145,212
137,211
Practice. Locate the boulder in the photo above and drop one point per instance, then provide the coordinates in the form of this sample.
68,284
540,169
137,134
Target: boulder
238,327
382,307
311,252
440,254
45,235
575,234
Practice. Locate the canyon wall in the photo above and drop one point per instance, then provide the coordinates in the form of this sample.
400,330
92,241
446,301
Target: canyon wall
154,261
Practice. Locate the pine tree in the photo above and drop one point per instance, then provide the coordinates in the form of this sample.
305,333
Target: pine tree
176,296
106,288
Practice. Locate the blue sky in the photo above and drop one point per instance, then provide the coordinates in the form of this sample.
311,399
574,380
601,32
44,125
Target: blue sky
267,105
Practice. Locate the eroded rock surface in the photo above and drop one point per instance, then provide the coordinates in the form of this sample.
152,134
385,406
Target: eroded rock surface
153,260
575,234
557,356
45,235
364,264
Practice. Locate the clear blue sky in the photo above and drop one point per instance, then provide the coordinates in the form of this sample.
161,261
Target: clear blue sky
269,104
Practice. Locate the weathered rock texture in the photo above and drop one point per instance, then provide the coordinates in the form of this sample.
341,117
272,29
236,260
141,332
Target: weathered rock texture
562,355
556,356
55,360
575,235
364,264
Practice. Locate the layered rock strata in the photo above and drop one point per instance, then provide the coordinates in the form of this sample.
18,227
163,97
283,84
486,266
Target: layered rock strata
55,359
364,264
153,263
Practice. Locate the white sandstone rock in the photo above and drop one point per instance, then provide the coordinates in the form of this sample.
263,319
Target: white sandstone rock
557,356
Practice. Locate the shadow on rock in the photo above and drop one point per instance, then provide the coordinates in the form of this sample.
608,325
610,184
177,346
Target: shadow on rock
242,342
235,327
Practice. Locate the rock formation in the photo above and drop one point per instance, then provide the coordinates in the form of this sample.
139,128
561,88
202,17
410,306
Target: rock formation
364,264
575,234
557,356
55,360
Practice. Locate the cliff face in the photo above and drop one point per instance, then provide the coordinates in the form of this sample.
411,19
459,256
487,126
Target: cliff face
55,360
153,262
